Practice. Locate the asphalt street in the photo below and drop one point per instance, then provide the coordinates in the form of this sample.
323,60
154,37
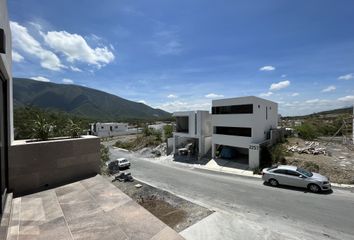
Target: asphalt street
327,215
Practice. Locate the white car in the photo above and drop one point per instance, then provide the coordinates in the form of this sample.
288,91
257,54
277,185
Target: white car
123,163
297,177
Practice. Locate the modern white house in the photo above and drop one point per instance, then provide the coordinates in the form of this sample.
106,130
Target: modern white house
193,127
240,126
108,129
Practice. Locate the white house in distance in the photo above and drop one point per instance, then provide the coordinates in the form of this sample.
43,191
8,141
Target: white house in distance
240,125
108,129
193,127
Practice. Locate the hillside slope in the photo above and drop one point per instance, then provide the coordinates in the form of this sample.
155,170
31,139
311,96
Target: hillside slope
81,101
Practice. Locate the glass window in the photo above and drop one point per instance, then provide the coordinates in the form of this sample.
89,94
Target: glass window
304,172
233,109
234,131
280,171
293,173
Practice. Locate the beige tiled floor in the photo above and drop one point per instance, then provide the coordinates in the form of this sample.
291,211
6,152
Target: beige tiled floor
89,209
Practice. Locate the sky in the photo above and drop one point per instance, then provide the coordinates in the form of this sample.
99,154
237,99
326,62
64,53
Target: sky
179,55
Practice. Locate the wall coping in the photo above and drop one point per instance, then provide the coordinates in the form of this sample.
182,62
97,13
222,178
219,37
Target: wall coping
53,140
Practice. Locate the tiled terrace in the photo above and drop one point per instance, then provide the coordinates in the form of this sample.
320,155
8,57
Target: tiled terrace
89,209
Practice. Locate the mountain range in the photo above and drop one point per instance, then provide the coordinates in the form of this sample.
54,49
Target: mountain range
80,101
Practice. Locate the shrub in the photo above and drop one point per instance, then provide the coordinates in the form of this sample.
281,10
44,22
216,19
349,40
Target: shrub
126,145
168,130
41,129
311,166
278,153
72,129
104,152
307,131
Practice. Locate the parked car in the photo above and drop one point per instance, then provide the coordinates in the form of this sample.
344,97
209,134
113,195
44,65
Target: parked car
123,163
295,176
112,166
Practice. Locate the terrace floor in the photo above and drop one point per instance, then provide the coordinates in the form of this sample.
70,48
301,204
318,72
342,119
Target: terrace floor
89,209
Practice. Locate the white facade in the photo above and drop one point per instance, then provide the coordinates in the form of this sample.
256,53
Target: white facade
6,69
193,125
244,123
109,129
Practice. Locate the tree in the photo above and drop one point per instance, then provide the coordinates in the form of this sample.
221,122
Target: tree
168,130
307,131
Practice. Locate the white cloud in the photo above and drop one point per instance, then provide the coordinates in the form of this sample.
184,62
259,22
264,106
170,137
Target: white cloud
24,41
213,95
267,68
75,69
67,81
267,94
279,85
75,48
185,106
329,89
349,76
171,96
40,79
317,101
349,98
295,94
16,57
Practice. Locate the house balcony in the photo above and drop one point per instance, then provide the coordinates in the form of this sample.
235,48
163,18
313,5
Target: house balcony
92,208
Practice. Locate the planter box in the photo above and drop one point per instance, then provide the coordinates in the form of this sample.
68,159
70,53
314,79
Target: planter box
36,166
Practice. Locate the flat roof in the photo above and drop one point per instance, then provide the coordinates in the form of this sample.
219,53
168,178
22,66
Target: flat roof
242,98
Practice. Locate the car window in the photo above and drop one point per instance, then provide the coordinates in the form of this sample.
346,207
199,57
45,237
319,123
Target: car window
304,172
292,173
280,171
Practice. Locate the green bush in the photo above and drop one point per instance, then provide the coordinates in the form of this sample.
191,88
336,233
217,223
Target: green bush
41,128
104,153
72,129
307,131
168,130
130,145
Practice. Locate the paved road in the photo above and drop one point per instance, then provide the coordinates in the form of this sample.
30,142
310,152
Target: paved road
327,216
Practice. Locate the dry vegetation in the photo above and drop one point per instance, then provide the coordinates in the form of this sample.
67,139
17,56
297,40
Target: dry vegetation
339,169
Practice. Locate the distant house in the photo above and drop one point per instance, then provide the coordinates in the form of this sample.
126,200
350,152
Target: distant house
108,129
194,128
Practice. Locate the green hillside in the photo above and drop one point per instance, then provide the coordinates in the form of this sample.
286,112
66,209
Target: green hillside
80,101
325,114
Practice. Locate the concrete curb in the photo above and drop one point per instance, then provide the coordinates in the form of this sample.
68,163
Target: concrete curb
238,172
246,173
340,185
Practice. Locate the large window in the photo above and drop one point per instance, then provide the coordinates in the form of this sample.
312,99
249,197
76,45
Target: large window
234,131
182,124
233,109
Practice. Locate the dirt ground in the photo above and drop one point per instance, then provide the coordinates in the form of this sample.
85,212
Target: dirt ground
174,211
337,164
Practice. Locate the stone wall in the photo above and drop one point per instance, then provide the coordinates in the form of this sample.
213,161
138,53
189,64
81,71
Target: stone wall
35,166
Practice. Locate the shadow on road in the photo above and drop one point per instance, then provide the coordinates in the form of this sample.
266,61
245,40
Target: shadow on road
304,190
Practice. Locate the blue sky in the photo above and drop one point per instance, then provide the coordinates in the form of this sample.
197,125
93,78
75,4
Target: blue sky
178,55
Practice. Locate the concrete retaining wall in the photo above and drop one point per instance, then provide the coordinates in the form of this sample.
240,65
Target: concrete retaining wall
35,166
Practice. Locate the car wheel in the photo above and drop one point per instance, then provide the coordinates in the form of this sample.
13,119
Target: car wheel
314,188
273,182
